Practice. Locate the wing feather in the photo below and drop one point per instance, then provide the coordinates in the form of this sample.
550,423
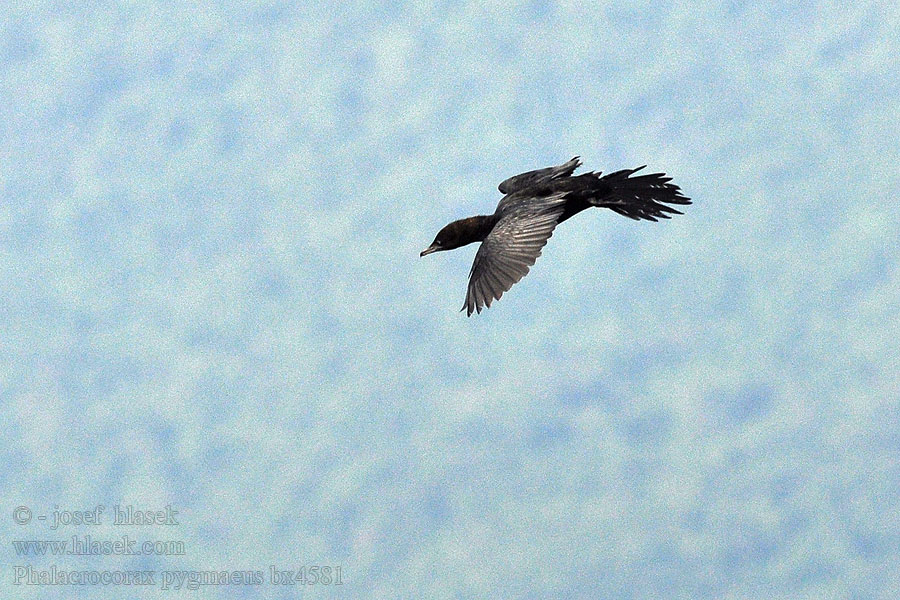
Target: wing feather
522,181
512,247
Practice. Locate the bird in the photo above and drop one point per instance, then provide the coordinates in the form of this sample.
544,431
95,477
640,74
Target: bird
534,203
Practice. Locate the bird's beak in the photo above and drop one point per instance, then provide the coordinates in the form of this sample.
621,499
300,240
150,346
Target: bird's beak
429,250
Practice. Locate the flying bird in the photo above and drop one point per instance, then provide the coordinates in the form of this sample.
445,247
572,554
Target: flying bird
534,203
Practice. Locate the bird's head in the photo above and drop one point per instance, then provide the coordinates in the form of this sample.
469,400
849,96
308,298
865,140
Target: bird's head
459,233
444,240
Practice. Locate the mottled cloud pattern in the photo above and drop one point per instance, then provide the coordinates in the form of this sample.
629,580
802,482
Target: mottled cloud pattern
212,297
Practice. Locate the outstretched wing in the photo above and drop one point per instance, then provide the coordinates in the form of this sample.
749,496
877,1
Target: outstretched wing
511,248
530,178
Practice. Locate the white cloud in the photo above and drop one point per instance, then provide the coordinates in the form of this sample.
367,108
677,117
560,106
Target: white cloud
210,255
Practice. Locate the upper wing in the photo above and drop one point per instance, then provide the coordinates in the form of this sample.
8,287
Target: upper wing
524,180
511,248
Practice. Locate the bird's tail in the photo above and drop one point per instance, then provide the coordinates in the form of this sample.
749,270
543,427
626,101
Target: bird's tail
641,197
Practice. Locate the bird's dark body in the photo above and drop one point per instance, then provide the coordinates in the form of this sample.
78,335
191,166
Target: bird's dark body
536,202
579,192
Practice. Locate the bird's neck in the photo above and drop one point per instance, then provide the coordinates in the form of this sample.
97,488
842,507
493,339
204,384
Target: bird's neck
475,229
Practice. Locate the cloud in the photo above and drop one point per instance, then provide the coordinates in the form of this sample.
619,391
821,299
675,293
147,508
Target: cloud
213,298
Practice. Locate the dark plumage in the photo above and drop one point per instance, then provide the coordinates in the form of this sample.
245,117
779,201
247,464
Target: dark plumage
534,204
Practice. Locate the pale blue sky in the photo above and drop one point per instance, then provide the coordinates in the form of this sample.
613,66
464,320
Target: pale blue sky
212,296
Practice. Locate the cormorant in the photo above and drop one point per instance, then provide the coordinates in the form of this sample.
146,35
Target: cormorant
533,205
